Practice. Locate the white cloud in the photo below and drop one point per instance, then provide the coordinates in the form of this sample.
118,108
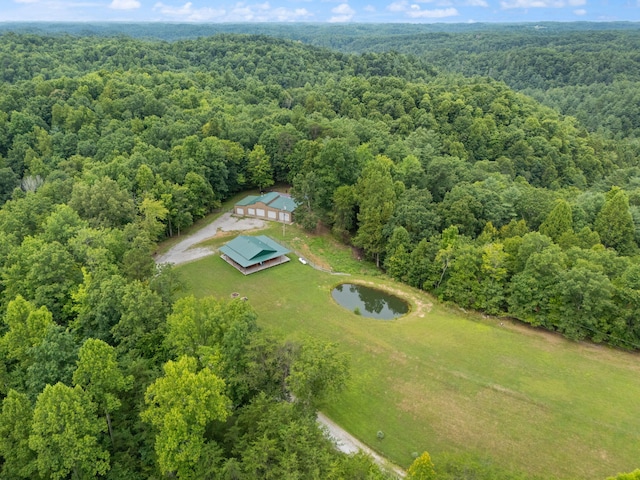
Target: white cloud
240,12
243,12
282,14
343,13
440,3
437,13
580,12
188,13
124,4
398,6
530,3
415,11
476,3
371,8
541,3
343,9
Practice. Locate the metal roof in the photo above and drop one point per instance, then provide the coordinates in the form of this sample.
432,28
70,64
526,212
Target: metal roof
284,203
266,198
248,251
275,200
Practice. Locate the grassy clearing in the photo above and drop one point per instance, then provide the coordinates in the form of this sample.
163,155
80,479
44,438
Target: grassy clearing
441,381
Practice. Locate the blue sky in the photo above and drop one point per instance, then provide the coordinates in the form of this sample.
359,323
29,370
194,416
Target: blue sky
329,11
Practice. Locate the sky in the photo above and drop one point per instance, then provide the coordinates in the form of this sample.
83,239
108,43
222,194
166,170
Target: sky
323,11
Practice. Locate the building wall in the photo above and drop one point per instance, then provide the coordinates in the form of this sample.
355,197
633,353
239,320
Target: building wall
262,210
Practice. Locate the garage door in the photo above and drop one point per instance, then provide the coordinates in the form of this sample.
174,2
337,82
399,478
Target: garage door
260,212
240,211
271,214
252,211
284,217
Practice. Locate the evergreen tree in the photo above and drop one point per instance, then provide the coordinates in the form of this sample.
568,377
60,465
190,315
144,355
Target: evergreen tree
614,223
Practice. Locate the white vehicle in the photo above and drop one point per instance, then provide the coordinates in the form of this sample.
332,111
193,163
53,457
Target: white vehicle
302,261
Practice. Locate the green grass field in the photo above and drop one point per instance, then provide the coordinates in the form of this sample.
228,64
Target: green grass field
443,381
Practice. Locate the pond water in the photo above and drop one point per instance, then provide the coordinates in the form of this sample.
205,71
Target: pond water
370,302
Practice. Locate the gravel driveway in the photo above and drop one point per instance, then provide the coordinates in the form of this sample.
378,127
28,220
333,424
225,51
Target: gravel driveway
183,252
347,443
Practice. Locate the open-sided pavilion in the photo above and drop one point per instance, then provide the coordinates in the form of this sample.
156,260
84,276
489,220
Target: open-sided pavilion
252,254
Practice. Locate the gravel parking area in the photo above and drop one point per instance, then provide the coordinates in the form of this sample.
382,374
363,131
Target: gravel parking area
184,252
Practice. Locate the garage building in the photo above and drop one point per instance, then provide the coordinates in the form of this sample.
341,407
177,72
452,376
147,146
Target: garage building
274,206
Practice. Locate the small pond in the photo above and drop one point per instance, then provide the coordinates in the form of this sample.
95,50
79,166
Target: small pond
370,302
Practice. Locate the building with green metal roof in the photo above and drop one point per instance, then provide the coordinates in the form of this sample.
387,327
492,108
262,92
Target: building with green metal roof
252,254
274,206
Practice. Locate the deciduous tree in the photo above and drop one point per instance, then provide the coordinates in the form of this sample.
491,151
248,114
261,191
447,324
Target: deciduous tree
99,374
15,428
422,468
259,168
27,328
65,432
180,405
52,361
318,371
376,197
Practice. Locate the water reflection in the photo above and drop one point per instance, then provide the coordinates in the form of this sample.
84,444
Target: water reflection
369,302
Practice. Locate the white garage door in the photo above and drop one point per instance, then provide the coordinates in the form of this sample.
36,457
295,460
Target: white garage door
284,217
271,214
252,211
260,212
240,211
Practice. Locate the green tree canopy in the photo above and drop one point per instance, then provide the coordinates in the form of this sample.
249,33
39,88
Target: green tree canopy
99,374
377,197
180,405
319,371
259,168
615,224
15,428
27,328
65,434
422,468
558,222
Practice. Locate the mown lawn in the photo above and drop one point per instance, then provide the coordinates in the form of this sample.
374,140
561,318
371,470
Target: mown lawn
442,381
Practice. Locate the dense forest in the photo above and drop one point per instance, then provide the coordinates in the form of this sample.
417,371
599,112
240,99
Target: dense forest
456,185
586,70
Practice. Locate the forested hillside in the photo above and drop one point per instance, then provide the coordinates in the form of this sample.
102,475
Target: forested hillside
592,75
586,70
461,187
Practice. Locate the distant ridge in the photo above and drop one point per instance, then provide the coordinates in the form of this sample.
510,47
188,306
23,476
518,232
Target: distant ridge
306,32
